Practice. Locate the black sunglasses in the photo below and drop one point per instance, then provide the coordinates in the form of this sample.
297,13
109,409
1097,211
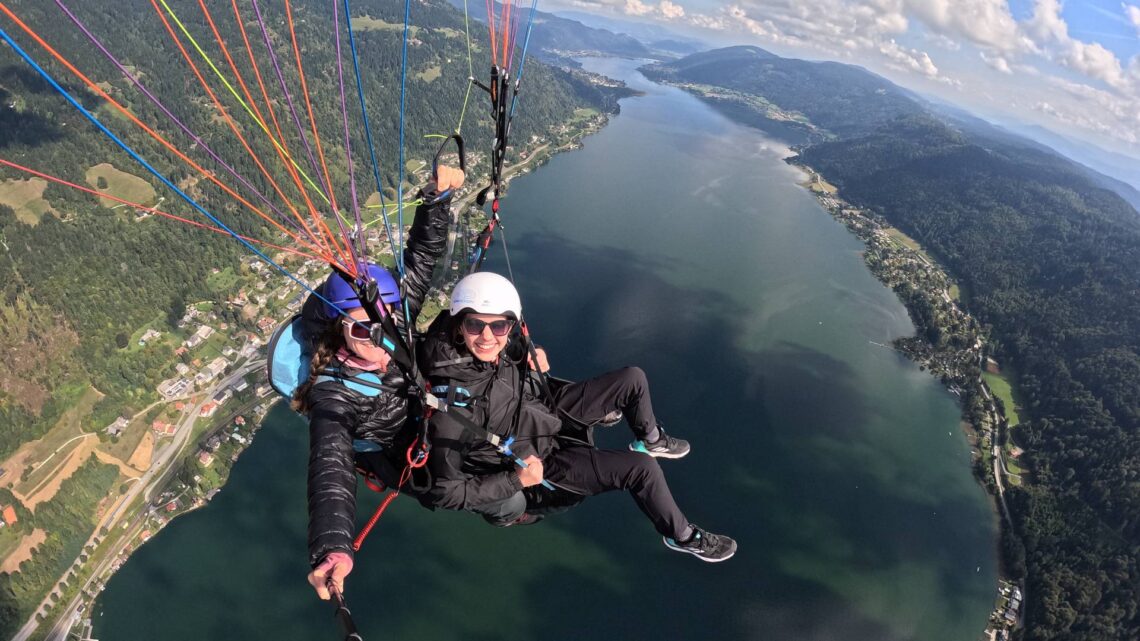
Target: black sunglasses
474,326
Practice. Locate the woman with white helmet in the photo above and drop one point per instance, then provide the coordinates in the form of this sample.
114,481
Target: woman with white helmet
496,414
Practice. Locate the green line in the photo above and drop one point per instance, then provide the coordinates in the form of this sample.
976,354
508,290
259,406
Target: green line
236,96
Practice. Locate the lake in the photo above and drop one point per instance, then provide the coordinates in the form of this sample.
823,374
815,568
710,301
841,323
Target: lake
678,241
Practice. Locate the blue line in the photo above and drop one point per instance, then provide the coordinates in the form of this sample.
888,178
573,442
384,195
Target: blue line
139,159
400,170
368,135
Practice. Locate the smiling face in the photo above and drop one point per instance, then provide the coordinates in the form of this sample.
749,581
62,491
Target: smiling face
363,347
479,337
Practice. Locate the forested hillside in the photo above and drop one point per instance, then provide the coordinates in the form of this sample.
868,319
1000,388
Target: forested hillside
99,274
1050,261
81,279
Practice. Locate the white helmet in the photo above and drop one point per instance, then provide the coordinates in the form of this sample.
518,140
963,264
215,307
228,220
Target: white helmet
486,293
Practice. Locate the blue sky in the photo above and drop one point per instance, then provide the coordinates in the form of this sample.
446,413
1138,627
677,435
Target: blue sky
1073,67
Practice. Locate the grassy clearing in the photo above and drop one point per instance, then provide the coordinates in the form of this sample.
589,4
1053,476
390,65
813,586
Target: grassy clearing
82,399
25,197
955,293
223,282
9,541
582,115
50,466
105,178
158,324
1001,389
366,23
430,74
821,186
132,436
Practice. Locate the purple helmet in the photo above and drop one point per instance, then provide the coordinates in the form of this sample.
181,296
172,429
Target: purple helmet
343,297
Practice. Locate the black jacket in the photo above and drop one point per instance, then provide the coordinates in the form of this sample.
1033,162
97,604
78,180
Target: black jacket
501,399
339,415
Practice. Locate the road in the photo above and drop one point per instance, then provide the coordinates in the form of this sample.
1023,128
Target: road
155,476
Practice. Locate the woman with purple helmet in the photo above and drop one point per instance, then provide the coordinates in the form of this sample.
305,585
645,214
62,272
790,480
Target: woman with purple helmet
357,414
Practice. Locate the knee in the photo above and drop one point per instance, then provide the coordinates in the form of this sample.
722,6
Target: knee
645,468
634,378
503,513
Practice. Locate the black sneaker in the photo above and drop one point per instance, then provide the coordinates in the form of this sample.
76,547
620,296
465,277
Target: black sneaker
664,447
705,545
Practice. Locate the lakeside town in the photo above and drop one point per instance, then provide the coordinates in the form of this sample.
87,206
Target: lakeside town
178,452
950,344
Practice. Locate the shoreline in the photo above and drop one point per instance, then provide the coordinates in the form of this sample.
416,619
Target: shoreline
924,288
67,614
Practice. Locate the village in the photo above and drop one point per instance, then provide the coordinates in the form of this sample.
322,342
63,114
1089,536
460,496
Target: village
950,344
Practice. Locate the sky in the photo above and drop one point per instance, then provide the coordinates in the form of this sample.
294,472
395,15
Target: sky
1073,67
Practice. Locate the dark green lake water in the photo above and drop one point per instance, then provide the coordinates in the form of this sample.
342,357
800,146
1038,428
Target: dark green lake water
678,241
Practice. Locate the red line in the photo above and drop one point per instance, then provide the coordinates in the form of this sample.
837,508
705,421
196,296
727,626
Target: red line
152,209
123,110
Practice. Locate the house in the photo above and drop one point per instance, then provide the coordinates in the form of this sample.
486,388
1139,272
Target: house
239,421
173,387
116,428
208,410
9,515
221,397
204,332
205,458
148,336
240,386
162,428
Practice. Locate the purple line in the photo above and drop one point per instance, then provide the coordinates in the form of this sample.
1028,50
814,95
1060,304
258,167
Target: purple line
174,118
514,34
358,252
289,98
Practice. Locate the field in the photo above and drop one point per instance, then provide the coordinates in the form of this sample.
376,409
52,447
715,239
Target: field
105,178
22,551
430,74
366,23
1001,389
25,197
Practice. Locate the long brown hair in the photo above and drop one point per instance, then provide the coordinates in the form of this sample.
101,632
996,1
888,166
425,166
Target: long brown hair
327,346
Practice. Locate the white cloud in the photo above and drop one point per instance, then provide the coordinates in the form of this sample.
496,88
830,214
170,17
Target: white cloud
636,8
914,60
997,62
984,22
1089,58
665,9
1133,14
671,11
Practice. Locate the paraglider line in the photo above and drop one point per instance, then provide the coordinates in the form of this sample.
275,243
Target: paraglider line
133,154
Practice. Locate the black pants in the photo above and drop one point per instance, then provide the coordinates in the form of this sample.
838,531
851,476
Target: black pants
581,471
623,389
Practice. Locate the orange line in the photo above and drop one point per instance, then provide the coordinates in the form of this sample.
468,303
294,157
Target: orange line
98,91
230,123
287,156
257,74
152,209
241,81
312,119
506,27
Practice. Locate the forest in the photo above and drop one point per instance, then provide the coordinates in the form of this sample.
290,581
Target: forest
105,272
1049,261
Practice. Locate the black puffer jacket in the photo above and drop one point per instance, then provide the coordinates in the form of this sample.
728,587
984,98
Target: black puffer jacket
339,415
466,469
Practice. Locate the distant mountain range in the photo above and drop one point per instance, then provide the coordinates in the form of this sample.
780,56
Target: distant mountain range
557,38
